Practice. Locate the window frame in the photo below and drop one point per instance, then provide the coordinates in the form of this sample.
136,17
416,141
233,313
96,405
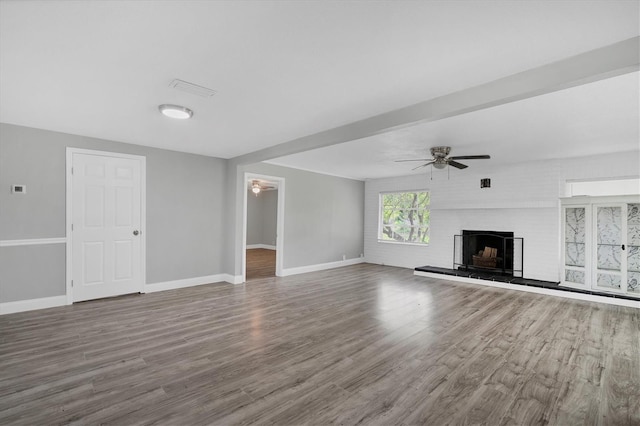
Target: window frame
381,207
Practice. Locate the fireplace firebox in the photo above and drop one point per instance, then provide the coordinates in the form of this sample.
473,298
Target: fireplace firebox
488,251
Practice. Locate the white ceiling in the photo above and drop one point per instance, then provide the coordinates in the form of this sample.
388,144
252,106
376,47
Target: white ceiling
597,118
285,69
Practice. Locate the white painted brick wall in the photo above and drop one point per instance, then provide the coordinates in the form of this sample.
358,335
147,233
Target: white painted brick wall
523,198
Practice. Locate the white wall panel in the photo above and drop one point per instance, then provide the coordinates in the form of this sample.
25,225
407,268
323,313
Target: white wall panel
523,198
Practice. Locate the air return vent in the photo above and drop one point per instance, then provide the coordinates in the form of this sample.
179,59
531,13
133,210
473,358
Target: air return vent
194,89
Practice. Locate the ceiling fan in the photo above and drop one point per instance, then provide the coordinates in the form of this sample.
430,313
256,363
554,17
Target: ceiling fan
257,186
441,160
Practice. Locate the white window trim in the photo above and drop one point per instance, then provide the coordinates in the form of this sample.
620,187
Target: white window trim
407,243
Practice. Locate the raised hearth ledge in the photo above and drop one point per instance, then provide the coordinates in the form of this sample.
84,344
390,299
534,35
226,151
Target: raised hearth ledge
538,290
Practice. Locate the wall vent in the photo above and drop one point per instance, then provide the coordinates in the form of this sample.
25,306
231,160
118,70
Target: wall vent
194,89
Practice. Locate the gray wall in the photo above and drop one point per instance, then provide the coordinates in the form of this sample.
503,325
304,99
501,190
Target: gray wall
324,215
262,212
185,214
269,217
32,272
193,211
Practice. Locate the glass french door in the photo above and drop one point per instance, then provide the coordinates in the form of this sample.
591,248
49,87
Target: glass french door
610,255
575,240
601,246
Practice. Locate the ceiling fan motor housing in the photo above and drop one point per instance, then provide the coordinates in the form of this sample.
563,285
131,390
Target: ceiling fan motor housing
440,151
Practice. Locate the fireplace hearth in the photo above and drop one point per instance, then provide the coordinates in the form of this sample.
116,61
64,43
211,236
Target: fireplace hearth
491,251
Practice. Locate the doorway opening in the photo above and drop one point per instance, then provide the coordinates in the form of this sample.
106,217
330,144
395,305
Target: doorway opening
263,222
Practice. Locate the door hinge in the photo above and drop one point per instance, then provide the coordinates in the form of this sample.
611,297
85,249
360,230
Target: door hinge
72,226
72,170
71,283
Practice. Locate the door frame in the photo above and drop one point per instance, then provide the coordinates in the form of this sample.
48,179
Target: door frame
69,212
279,222
590,203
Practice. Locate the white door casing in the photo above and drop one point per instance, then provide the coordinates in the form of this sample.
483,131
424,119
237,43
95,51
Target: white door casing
105,218
280,182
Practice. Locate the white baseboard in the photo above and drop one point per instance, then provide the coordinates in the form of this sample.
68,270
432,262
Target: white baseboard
55,301
187,282
32,304
260,246
190,282
321,267
538,290
233,279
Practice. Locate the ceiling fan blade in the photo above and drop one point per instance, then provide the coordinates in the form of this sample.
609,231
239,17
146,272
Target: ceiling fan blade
470,157
423,165
457,165
420,159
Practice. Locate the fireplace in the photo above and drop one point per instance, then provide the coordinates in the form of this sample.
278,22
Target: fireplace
495,252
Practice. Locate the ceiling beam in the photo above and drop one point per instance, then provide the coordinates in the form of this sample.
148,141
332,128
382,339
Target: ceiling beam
609,61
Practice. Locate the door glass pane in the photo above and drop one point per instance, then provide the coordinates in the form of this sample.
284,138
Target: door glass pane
633,248
574,243
633,282
609,238
609,247
609,280
574,276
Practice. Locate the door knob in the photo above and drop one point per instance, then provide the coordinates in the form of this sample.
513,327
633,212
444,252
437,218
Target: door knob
136,232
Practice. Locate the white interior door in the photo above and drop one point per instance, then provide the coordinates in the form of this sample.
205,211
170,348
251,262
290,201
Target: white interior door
106,226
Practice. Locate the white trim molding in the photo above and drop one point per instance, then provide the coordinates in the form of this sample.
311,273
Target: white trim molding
321,266
233,279
32,304
186,282
191,282
32,242
538,290
260,246
280,183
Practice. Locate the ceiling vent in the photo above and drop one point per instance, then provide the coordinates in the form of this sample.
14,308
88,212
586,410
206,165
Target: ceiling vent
194,89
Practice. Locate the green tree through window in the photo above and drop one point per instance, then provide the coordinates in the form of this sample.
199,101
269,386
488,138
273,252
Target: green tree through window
404,217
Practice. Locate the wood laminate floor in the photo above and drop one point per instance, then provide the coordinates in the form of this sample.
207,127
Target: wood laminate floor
363,344
261,263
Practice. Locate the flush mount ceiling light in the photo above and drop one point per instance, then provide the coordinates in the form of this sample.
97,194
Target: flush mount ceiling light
255,188
176,111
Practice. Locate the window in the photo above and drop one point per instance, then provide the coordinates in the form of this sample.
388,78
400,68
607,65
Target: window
404,217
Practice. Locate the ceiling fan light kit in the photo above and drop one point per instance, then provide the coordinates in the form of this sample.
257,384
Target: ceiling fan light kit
441,159
257,187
